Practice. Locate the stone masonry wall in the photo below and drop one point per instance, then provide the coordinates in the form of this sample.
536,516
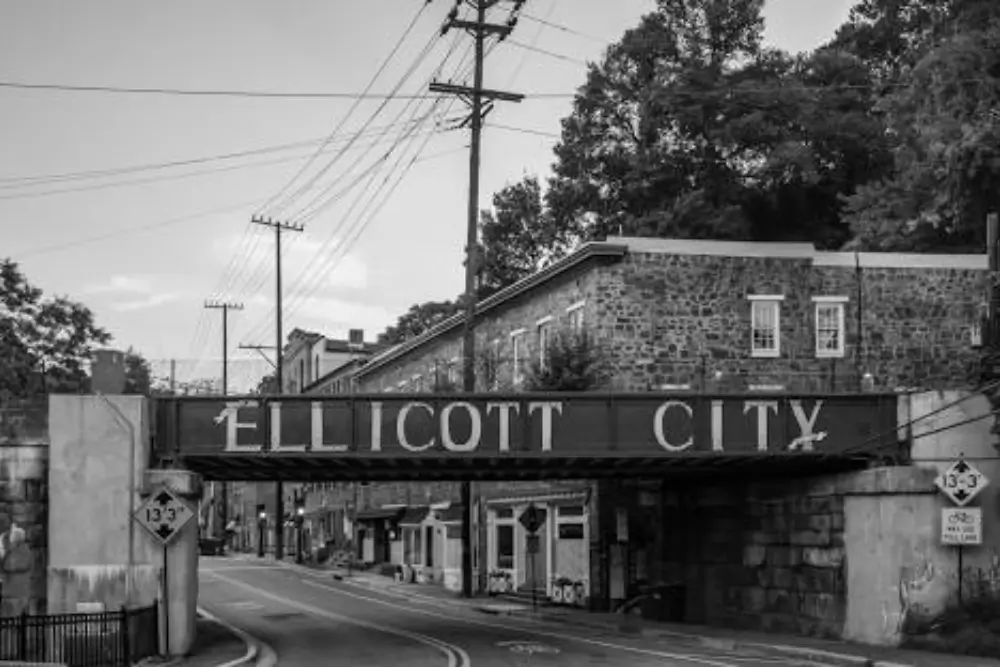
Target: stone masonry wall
668,319
524,312
765,557
23,527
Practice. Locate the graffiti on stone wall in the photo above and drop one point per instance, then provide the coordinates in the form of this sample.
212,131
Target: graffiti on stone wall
912,587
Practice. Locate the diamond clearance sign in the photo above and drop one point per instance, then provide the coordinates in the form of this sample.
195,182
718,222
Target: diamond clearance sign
163,514
961,482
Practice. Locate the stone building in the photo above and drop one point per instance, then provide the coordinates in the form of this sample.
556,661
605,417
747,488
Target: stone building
708,317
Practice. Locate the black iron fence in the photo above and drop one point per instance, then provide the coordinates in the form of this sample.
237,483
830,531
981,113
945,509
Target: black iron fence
104,639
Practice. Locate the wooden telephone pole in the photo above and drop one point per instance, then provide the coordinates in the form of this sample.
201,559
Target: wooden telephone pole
225,307
475,98
279,487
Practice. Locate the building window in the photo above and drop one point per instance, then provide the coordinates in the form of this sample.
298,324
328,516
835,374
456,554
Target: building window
302,375
544,327
765,316
569,522
418,383
505,546
575,314
829,326
316,368
516,351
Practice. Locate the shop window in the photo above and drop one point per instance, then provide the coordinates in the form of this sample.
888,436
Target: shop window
571,510
505,513
505,547
571,531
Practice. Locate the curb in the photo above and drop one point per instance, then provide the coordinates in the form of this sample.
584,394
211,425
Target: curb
253,646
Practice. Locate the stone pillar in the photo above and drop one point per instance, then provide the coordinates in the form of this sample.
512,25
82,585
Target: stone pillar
897,570
178,562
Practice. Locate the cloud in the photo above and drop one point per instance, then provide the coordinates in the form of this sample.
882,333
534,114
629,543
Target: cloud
333,317
307,261
151,301
121,285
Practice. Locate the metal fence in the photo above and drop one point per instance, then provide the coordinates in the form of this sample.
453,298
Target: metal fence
104,639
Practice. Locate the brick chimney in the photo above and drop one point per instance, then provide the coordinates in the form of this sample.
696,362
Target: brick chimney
107,372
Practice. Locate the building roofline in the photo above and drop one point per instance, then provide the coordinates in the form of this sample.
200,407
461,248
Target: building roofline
585,252
330,374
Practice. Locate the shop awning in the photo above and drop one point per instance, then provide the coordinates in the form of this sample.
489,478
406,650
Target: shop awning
379,514
451,515
413,516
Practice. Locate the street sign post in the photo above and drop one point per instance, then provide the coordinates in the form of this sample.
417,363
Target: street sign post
164,514
961,482
962,526
532,518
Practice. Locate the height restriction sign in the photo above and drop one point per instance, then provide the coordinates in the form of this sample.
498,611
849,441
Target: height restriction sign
163,514
961,482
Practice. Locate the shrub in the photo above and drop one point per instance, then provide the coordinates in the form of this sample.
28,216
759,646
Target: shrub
573,363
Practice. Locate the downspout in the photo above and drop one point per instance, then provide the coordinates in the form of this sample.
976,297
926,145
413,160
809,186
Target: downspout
859,361
123,421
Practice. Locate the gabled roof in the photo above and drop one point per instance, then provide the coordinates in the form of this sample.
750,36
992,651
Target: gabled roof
585,252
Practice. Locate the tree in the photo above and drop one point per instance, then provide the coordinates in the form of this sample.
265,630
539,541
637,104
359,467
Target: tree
45,343
518,237
943,120
418,319
138,376
690,128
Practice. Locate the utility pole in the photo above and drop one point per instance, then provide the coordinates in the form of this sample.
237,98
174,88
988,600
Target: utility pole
225,307
279,487
173,377
474,97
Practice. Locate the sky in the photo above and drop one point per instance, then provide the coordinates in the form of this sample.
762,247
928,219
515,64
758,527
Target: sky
145,248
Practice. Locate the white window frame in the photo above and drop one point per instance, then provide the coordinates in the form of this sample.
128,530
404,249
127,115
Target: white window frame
543,328
836,303
575,315
516,340
769,300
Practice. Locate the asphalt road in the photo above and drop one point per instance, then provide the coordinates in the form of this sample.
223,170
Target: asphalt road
311,620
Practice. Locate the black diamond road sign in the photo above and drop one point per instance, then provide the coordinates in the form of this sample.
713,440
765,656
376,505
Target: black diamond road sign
532,518
163,514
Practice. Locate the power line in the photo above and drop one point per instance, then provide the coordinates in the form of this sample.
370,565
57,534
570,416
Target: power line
159,179
561,28
129,231
125,90
350,112
8,182
545,52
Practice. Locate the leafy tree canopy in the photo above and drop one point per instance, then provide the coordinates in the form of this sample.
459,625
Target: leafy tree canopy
45,342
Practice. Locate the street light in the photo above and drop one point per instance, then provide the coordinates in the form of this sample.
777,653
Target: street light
300,512
261,527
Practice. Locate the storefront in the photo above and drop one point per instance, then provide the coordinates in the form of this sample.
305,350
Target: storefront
560,561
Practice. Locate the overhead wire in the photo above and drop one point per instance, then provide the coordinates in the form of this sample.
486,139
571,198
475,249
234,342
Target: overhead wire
462,63
561,28
277,197
252,284
311,209
330,163
365,217
233,277
17,182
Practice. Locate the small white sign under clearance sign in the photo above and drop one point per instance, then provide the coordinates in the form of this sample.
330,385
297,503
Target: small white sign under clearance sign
962,526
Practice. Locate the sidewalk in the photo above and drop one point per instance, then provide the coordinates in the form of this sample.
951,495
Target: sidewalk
804,648
215,645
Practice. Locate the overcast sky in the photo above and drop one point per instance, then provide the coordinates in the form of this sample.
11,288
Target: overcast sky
145,248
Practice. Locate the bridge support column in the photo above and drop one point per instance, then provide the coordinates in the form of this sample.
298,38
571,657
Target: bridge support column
179,563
